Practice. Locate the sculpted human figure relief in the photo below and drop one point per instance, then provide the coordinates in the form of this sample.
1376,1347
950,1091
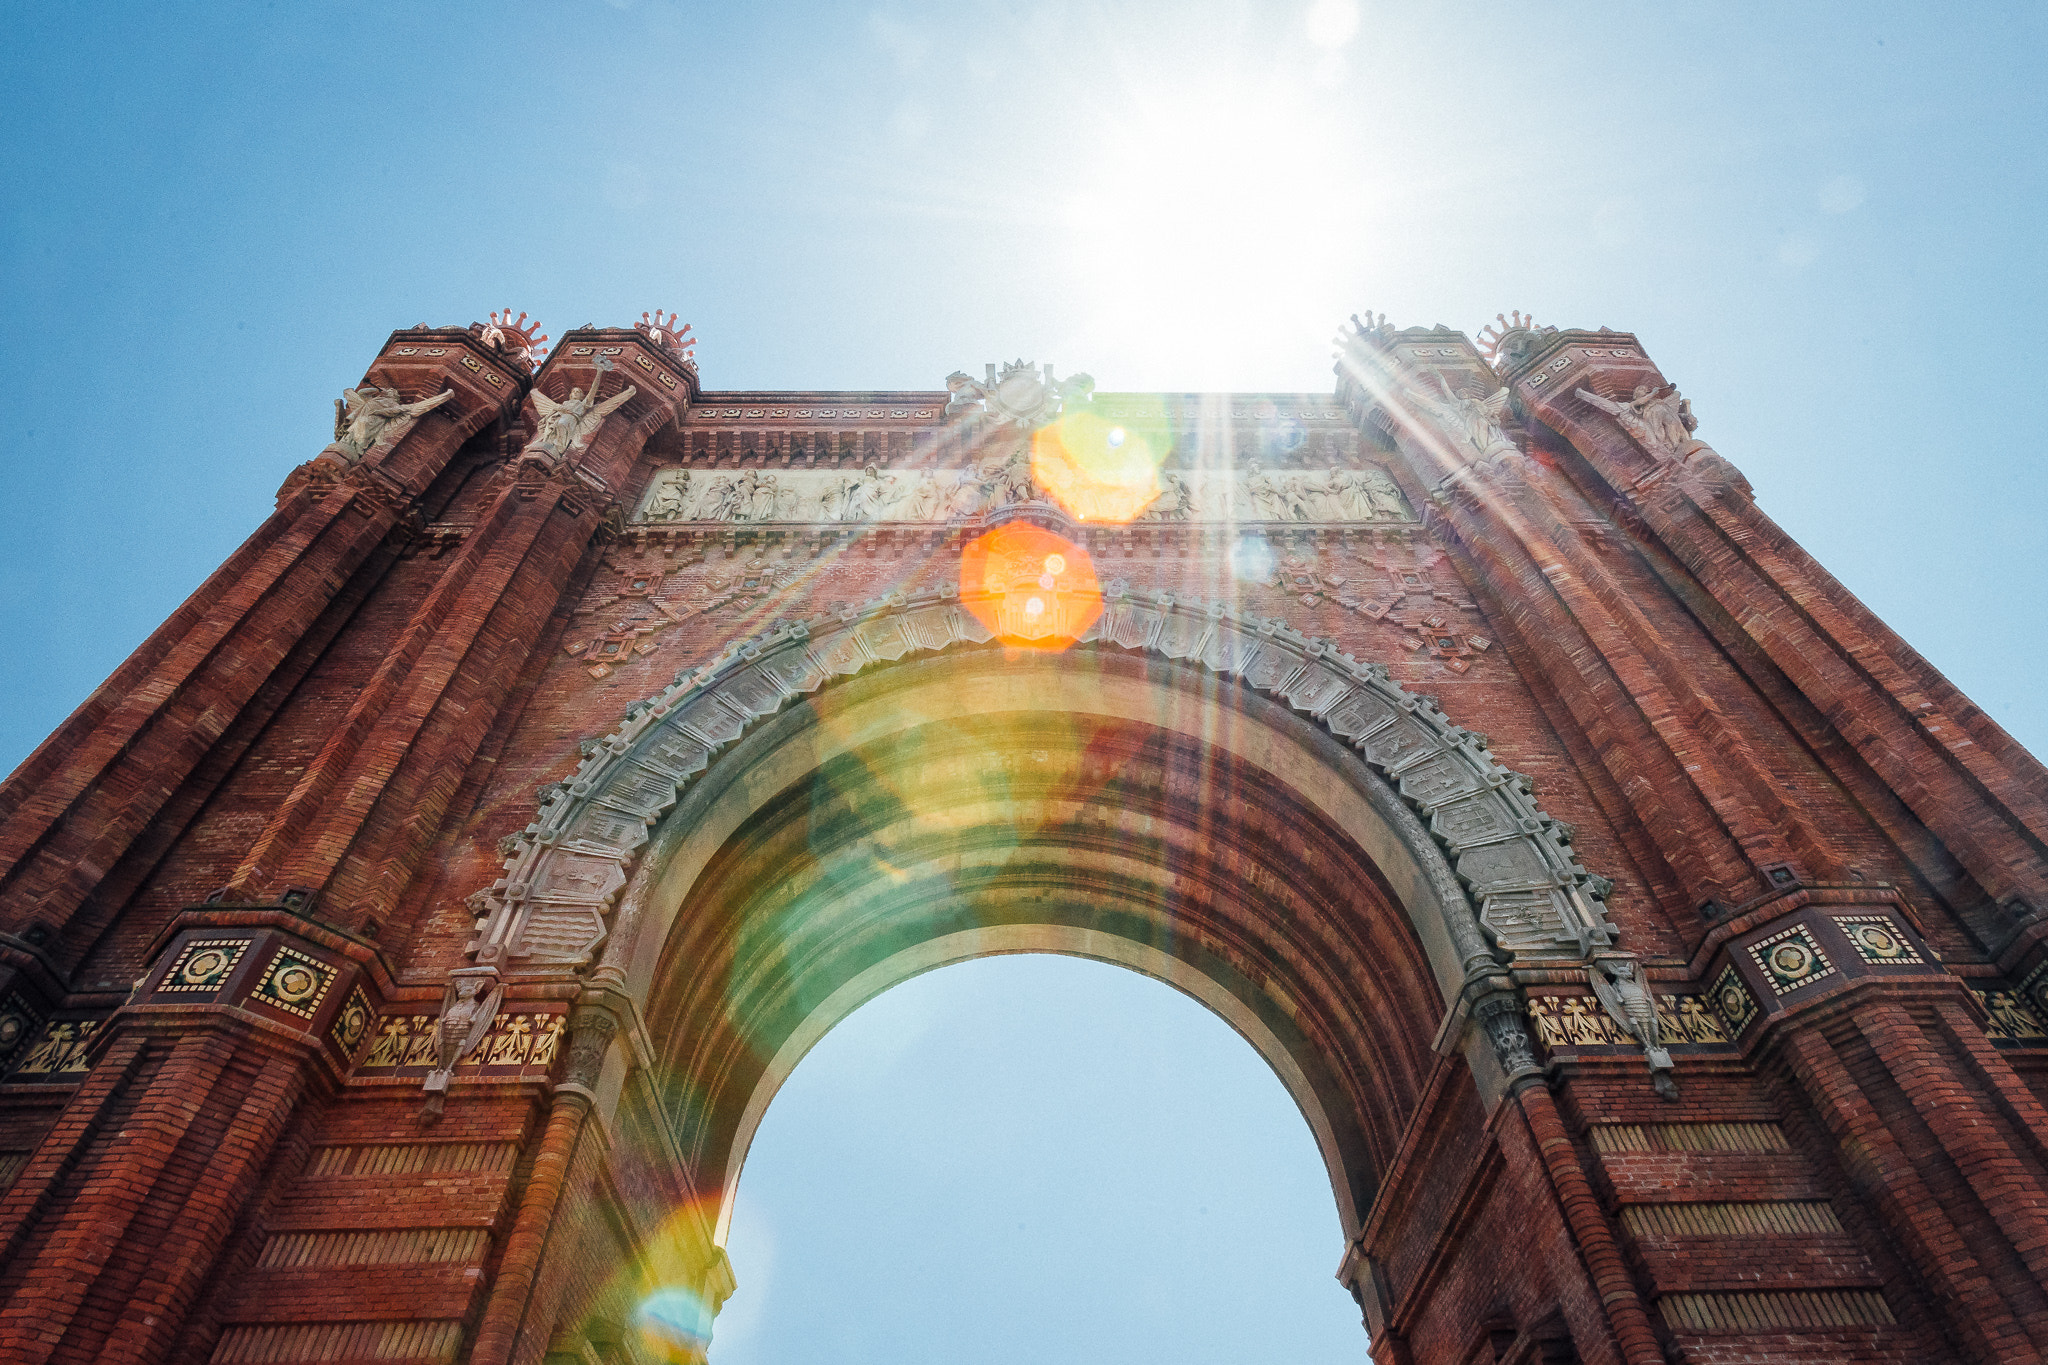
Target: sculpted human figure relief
363,416
568,426
1004,479
669,499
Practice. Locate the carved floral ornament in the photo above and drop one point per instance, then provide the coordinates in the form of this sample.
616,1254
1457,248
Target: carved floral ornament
563,872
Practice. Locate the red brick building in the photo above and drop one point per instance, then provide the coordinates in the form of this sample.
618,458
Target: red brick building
399,950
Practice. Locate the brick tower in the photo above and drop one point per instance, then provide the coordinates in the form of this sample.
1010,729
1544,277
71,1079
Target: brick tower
398,952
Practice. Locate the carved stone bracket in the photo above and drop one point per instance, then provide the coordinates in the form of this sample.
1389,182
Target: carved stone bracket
551,908
1501,1016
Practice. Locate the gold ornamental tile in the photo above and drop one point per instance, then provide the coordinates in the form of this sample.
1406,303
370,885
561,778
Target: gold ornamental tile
294,983
1878,939
204,965
1791,960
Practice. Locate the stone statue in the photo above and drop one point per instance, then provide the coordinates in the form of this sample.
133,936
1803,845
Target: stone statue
837,502
1176,501
964,498
1620,984
364,416
876,495
467,1009
1474,421
566,427
1023,394
967,393
1658,418
1382,495
928,500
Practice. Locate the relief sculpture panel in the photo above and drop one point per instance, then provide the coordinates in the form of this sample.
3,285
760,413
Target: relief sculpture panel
803,496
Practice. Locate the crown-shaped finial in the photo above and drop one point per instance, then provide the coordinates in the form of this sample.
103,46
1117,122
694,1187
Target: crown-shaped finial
1494,333
663,332
516,337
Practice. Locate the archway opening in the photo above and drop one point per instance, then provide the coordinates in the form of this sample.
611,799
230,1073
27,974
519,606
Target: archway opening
1223,805
1027,1158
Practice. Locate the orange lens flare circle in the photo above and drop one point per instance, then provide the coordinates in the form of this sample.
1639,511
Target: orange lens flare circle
1033,588
1096,469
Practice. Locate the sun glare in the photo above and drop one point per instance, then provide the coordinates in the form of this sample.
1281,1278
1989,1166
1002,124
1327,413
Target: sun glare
1216,217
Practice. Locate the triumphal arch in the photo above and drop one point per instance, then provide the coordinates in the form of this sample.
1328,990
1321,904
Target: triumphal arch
401,948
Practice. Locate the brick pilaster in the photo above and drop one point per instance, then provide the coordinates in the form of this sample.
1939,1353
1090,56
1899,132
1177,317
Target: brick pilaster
92,790
365,810
1960,774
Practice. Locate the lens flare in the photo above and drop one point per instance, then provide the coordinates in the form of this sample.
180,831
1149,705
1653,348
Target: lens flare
1095,470
675,1325
1033,587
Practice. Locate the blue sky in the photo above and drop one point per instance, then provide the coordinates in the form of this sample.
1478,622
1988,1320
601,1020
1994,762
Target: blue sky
1824,221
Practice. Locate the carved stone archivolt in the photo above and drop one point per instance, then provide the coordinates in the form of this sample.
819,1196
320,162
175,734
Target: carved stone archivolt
563,872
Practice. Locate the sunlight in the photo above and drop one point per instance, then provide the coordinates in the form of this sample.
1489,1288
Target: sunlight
1216,213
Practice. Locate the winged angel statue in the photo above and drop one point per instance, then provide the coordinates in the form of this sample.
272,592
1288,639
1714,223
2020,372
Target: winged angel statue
363,416
1657,417
569,425
1475,421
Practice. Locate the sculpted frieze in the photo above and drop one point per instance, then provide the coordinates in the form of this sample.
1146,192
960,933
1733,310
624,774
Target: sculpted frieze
807,496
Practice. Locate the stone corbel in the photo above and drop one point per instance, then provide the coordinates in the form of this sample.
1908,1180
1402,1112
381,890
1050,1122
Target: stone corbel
1500,1015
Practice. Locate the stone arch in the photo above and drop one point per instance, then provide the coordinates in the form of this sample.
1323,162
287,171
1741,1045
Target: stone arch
566,869
1409,810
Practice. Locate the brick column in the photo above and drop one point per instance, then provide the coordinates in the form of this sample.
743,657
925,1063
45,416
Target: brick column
1963,778
364,812
1839,998
1630,696
88,794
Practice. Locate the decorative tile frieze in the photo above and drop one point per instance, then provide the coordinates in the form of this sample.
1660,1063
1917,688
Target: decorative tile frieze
58,1053
1791,960
1879,939
1576,1021
518,1042
2012,1018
